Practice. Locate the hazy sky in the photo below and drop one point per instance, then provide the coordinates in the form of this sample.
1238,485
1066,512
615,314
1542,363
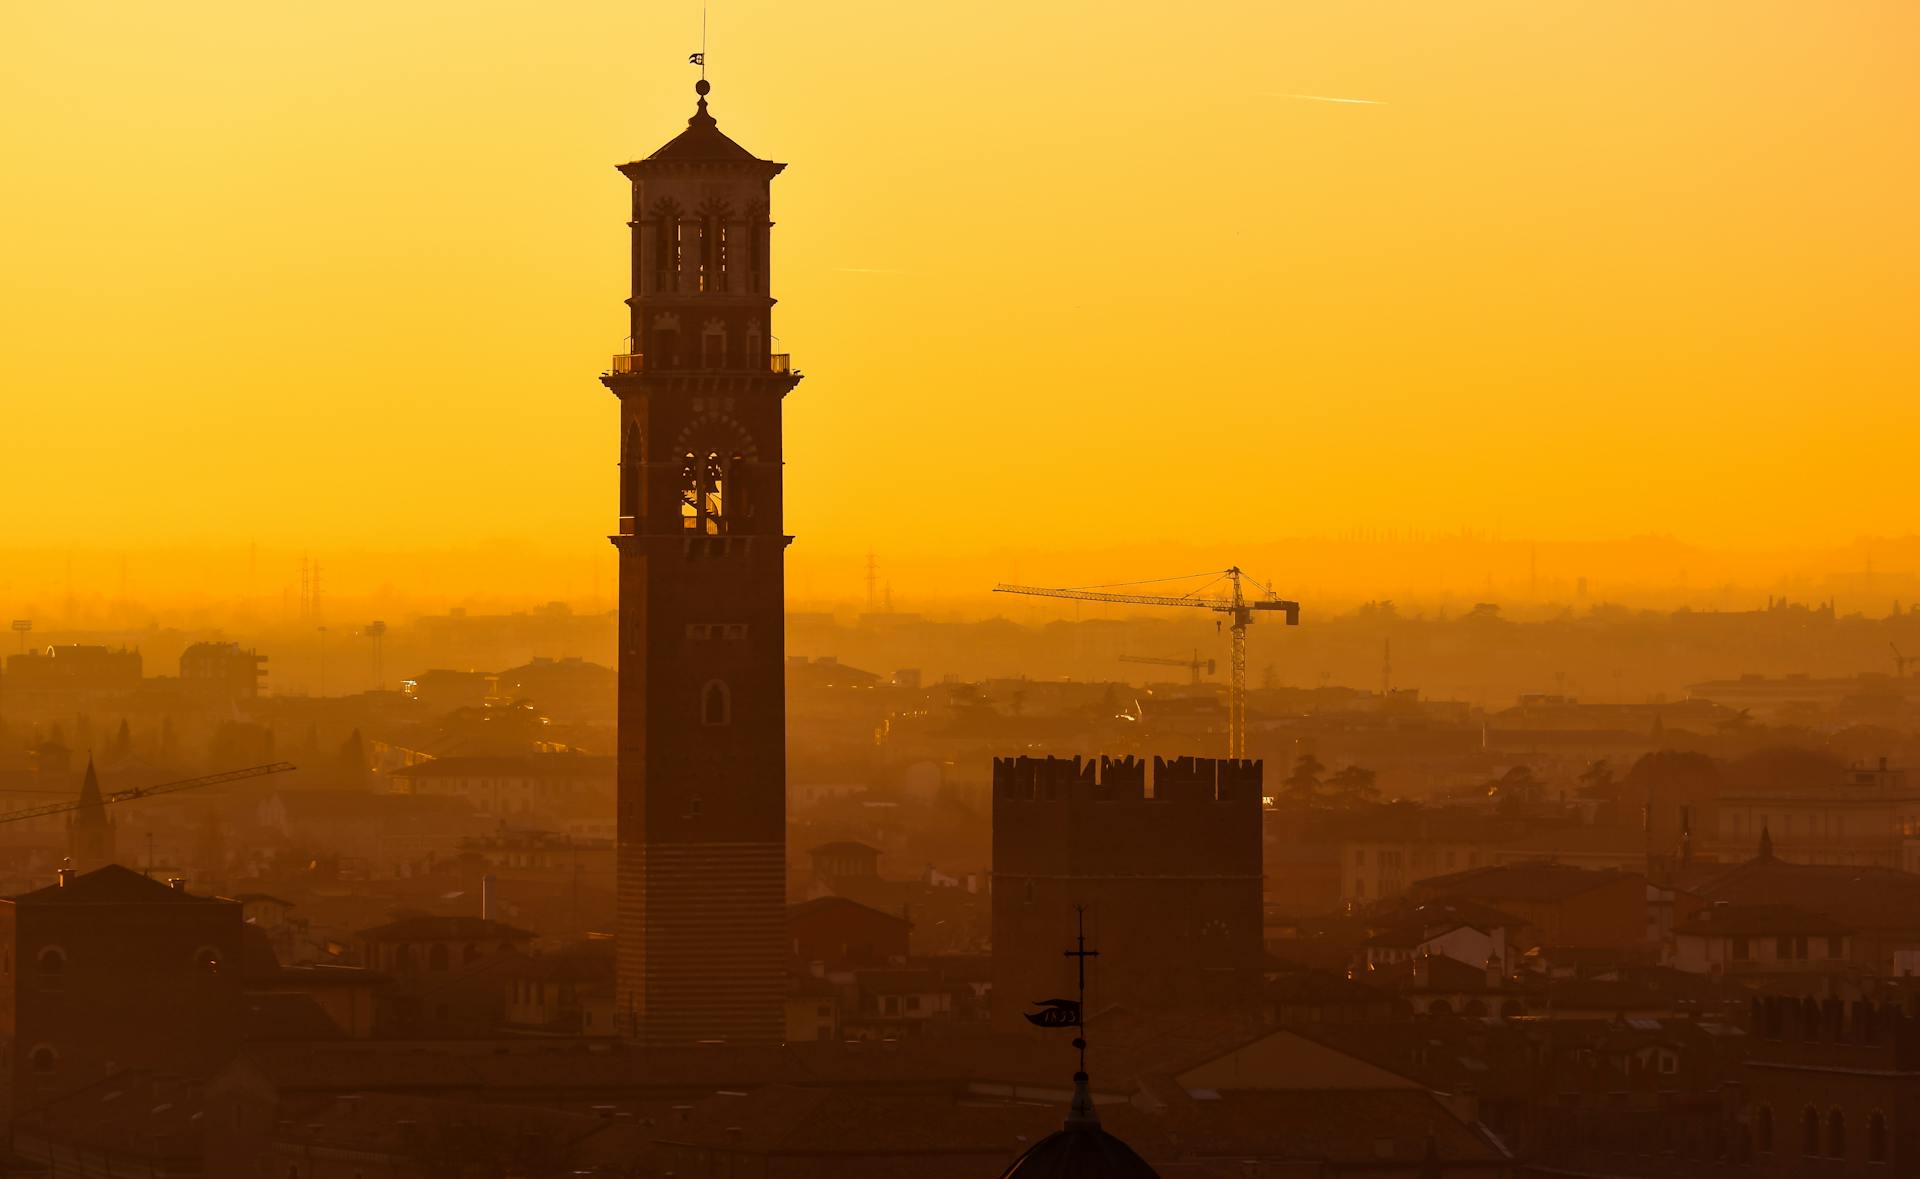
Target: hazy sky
1063,276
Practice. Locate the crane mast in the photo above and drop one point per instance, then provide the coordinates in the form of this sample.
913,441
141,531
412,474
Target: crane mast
1238,608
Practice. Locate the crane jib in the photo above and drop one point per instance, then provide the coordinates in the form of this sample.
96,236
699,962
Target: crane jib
139,792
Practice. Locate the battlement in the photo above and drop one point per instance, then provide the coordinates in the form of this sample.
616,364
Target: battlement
1124,779
1835,1021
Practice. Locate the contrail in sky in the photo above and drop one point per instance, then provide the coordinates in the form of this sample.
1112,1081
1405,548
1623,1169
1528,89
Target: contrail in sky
1326,98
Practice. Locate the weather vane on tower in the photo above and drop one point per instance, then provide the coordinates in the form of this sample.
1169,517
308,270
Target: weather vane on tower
700,58
1071,1013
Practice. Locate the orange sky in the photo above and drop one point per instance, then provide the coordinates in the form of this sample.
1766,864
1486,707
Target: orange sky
340,277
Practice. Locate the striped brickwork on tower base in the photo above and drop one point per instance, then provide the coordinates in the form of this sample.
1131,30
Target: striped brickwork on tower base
702,943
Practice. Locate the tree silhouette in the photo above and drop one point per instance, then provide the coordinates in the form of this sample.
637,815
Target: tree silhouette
1352,785
353,760
1515,788
121,747
1303,784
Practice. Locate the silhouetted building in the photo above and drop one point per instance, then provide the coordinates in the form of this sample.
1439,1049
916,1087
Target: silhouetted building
222,671
90,829
1171,881
1562,905
702,755
1833,1088
74,667
111,970
842,934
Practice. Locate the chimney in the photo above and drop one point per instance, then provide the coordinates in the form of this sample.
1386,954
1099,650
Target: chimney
487,900
64,873
1496,977
177,883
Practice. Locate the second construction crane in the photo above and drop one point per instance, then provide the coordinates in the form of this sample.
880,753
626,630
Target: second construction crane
1238,608
1194,666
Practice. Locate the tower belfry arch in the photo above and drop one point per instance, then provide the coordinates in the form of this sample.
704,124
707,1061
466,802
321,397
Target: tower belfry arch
702,721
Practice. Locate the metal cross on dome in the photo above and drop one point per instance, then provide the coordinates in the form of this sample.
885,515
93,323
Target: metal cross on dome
1070,1013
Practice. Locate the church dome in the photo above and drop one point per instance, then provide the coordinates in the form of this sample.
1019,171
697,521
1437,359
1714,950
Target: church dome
1082,1150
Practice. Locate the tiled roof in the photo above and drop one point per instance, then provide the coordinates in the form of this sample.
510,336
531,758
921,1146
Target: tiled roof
455,928
114,885
788,1119
532,765
583,962
1731,920
285,1016
702,142
824,904
1371,1128
1532,881
843,847
1861,898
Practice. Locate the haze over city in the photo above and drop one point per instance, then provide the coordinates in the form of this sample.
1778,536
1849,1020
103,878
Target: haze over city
721,590
309,282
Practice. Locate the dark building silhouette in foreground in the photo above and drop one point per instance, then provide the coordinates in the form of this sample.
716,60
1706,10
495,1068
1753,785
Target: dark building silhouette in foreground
702,720
1170,880
110,971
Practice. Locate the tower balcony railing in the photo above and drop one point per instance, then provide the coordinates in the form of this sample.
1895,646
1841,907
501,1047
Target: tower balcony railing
632,364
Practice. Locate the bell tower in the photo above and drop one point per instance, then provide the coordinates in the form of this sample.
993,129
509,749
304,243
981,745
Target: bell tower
702,712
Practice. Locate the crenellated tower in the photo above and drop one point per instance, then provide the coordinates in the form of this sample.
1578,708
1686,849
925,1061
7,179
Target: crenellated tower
702,718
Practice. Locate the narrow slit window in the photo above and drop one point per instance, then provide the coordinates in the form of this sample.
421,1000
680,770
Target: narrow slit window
716,704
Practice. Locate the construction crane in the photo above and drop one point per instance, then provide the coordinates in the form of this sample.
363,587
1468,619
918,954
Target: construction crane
1236,607
140,792
1195,665
1900,662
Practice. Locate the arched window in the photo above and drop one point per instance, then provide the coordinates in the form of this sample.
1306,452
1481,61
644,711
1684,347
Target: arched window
632,469
51,960
663,342
703,493
1810,1132
43,1059
754,242
713,246
1836,1134
716,704
437,956
403,958
713,344
207,958
1876,1137
666,246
